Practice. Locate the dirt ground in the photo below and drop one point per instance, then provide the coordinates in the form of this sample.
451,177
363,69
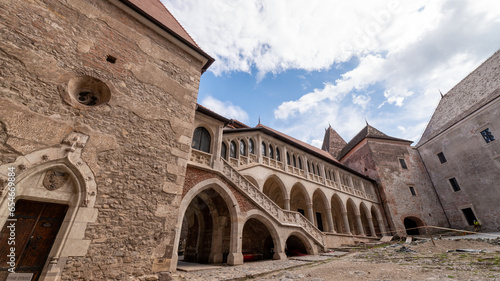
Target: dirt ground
427,262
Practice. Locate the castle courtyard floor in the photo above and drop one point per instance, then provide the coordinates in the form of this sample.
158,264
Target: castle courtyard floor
460,259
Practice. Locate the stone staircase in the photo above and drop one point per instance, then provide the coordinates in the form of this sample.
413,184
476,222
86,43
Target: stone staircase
283,217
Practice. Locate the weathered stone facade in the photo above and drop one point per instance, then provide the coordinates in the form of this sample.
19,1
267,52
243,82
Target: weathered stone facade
134,148
468,109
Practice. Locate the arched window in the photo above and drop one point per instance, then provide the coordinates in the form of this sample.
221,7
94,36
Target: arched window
232,150
264,149
201,140
327,174
271,152
251,148
300,163
288,158
317,170
278,156
309,167
243,148
312,166
294,161
223,151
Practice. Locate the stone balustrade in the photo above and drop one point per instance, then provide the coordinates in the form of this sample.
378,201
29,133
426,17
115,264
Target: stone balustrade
284,217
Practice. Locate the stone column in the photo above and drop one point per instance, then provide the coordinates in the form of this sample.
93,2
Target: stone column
372,228
360,225
329,218
346,223
287,204
310,212
381,226
235,256
216,252
258,149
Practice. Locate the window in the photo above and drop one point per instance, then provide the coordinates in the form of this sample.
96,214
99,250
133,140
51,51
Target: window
251,148
469,215
295,161
278,157
288,158
487,136
441,157
271,152
243,148
223,151
312,166
317,170
308,167
232,150
403,163
201,140
264,149
300,163
327,174
412,190
454,184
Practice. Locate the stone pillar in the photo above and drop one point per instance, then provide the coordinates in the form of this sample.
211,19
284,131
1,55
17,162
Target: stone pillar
287,204
381,226
360,225
235,256
258,148
372,228
216,252
329,218
310,212
346,223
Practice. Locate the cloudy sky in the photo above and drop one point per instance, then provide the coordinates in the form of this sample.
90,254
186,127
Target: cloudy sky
302,65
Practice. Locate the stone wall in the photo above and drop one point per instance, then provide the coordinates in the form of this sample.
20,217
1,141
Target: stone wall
381,160
474,164
139,141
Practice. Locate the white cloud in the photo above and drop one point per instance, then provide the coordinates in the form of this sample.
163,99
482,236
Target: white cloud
226,109
408,49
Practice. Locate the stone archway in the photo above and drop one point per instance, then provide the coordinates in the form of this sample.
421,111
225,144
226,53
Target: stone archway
296,245
275,190
56,180
300,202
206,230
412,225
366,219
214,196
258,243
321,209
337,214
352,213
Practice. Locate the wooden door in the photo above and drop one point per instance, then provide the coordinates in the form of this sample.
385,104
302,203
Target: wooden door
36,229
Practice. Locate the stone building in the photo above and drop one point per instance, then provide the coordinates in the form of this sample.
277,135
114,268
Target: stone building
407,192
119,173
461,150
97,104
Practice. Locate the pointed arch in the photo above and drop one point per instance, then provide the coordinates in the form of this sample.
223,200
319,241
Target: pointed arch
300,200
352,213
320,208
365,218
338,209
275,190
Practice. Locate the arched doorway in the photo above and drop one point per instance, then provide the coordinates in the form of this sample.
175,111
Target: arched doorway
258,242
300,202
319,209
274,189
206,229
295,247
412,224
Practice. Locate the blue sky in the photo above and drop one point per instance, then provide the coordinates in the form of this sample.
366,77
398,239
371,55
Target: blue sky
301,66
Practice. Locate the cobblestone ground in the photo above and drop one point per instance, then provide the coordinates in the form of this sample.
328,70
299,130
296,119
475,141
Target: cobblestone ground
447,260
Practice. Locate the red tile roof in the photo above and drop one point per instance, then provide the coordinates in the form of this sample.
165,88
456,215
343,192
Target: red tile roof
157,13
